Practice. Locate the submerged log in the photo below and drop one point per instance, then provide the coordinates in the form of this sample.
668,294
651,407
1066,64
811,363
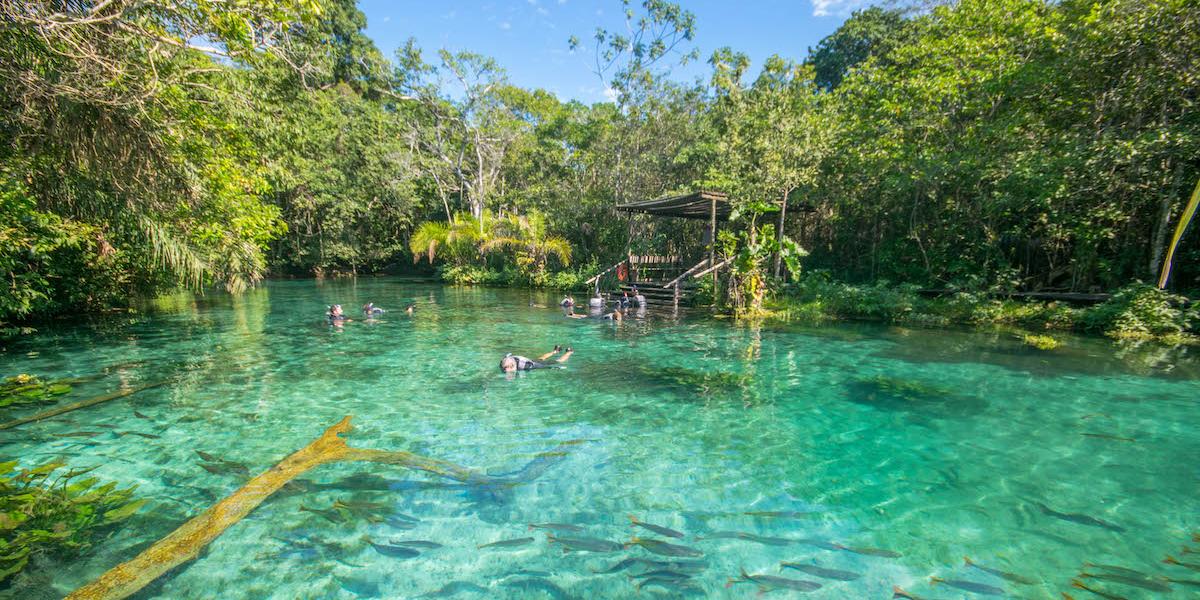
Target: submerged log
186,542
54,412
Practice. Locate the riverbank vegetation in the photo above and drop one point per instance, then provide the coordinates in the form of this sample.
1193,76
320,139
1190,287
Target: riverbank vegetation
977,147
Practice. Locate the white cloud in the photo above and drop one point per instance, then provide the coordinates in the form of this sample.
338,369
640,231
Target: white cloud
825,8
562,1
505,25
450,15
387,19
611,94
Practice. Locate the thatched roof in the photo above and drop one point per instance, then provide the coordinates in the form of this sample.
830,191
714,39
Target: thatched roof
696,205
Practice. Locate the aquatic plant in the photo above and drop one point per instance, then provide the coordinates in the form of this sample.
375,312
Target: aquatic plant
1041,342
29,389
44,511
703,383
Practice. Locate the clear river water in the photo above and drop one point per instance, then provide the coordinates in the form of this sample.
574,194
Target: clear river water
868,456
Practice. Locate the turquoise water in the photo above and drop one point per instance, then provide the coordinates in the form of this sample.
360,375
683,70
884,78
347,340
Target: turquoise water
933,445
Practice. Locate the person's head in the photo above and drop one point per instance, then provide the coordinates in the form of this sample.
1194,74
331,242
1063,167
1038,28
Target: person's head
336,310
509,363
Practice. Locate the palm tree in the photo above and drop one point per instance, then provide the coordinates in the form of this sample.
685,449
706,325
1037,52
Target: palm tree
530,238
459,240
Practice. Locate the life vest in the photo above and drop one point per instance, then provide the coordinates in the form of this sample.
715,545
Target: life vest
622,272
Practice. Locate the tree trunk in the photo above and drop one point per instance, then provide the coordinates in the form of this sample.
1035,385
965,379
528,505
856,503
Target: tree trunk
779,233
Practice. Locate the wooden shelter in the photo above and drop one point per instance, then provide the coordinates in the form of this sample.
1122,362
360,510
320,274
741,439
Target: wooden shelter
664,275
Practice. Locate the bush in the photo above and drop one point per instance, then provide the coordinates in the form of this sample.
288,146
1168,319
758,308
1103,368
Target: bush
1141,311
52,265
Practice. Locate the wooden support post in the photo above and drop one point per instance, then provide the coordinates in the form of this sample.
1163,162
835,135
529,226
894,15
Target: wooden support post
712,240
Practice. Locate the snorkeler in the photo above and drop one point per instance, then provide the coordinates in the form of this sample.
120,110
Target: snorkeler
512,363
410,308
567,302
615,316
624,301
335,315
370,310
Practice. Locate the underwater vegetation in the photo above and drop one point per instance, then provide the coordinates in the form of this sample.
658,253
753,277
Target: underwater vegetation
45,510
29,389
701,383
896,393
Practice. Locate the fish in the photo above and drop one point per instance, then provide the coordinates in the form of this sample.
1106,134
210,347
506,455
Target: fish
206,456
454,588
1108,437
1079,584
366,510
762,539
766,582
1187,550
663,548
659,529
139,415
1078,518
399,523
1147,584
392,551
898,592
1013,577
678,587
820,544
330,514
539,584
417,544
741,535
969,586
779,514
821,572
77,434
1170,560
583,544
871,552
721,535
507,543
683,565
1116,569
620,566
1191,582
149,436
664,574
556,526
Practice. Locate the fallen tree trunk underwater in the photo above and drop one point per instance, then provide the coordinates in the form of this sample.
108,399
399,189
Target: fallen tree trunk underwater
54,412
186,542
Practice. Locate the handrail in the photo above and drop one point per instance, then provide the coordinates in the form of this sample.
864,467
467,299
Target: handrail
605,272
713,268
686,273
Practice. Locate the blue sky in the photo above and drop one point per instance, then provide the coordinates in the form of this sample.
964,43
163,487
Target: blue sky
529,37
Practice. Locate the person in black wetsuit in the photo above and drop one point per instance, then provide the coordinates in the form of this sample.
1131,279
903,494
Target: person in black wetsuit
512,363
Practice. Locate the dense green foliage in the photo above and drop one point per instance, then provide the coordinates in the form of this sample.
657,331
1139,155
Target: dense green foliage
44,511
977,146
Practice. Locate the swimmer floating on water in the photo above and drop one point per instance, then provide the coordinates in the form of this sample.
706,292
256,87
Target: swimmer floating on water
369,309
512,363
335,314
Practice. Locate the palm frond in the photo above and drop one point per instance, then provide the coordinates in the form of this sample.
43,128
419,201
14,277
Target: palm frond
173,253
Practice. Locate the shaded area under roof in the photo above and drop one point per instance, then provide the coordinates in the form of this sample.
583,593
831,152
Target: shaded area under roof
696,205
